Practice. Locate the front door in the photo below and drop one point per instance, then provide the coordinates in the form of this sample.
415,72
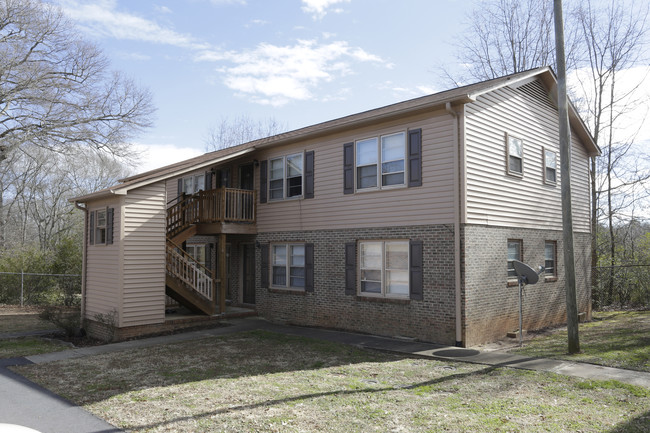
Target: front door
246,177
248,269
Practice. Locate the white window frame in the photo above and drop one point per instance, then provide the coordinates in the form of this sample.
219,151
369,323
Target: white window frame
285,178
520,256
288,265
552,275
193,249
509,170
548,181
384,270
197,183
100,229
379,162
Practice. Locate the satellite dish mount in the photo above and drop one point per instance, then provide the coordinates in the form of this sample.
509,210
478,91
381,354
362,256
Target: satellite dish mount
525,275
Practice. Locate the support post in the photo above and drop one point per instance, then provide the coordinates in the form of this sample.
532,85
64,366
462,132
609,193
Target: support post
223,273
565,175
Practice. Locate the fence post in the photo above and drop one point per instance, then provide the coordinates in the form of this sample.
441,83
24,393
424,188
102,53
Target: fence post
22,286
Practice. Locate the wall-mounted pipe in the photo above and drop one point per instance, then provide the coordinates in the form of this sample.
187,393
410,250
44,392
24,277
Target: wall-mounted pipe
84,259
457,216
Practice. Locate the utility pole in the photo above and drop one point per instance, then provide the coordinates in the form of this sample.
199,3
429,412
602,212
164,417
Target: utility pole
565,173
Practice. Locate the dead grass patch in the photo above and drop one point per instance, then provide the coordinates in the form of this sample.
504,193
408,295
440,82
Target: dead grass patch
22,319
259,381
618,339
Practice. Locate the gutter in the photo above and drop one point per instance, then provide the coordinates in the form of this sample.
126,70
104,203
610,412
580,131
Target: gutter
457,216
84,262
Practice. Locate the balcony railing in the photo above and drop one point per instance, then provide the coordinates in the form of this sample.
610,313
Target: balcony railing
213,206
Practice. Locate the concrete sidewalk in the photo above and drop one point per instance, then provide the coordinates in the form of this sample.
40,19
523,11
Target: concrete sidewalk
27,404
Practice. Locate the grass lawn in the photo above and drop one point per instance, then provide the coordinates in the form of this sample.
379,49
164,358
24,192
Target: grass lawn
614,339
260,381
17,319
26,346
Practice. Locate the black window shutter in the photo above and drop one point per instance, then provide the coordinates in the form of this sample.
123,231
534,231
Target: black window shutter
415,270
263,179
309,174
109,225
415,157
309,267
91,232
264,276
180,187
351,268
208,181
348,168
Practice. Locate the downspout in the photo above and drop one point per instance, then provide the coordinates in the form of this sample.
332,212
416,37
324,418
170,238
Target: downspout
84,263
457,255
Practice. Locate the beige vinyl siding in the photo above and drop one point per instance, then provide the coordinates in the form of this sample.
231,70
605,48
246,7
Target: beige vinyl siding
496,198
103,267
144,256
431,203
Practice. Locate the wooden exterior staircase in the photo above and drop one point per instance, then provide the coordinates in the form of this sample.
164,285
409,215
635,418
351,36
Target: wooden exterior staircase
206,212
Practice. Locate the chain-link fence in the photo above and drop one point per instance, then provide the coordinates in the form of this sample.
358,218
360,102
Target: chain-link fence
26,288
621,286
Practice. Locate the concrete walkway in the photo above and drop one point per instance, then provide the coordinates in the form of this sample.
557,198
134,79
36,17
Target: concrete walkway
24,403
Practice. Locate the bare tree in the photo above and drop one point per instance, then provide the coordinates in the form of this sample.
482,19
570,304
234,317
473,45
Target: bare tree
614,40
509,36
241,129
37,207
56,91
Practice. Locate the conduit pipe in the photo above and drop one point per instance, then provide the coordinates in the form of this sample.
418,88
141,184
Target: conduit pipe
457,216
84,258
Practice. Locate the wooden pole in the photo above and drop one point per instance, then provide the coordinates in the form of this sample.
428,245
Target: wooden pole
565,174
223,273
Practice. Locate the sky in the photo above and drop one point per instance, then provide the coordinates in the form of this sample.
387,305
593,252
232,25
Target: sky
299,62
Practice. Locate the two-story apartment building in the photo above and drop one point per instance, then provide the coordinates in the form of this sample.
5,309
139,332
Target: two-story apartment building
398,221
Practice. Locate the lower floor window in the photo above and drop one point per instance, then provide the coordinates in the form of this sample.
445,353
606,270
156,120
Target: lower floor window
549,259
288,265
384,267
514,253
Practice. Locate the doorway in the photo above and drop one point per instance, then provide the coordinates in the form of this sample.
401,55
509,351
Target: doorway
246,175
248,271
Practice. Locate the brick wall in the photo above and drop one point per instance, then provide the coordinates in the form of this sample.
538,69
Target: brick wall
431,319
491,306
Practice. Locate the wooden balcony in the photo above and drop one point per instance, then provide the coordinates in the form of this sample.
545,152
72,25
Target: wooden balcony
216,211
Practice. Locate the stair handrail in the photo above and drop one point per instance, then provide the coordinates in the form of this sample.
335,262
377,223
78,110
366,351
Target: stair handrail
200,272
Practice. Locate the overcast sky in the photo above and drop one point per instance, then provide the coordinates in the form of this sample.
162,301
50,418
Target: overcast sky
298,61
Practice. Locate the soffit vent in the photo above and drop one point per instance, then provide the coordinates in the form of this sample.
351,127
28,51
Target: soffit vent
536,90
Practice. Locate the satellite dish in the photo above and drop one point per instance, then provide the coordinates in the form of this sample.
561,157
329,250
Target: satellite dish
525,272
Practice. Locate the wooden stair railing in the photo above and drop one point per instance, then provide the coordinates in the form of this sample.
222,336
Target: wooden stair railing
193,275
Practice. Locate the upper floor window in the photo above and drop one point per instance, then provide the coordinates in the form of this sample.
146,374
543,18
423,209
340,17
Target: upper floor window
380,161
514,253
193,184
100,227
515,155
550,251
285,177
550,167
384,268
